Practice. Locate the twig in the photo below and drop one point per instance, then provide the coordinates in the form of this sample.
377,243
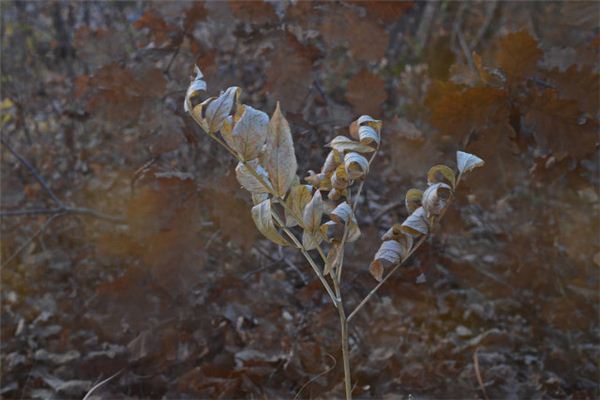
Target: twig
386,209
28,241
328,370
489,16
372,292
478,374
99,384
33,172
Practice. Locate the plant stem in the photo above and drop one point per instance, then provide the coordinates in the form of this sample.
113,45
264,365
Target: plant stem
344,340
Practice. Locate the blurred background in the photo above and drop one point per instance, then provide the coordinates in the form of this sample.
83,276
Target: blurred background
128,248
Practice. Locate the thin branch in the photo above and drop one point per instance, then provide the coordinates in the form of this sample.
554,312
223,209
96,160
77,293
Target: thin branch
398,265
30,240
478,375
33,171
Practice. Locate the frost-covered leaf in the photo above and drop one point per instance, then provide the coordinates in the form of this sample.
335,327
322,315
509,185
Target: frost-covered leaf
250,132
295,202
263,218
280,158
416,223
344,144
435,198
441,173
466,162
356,165
196,86
249,181
313,213
413,200
332,231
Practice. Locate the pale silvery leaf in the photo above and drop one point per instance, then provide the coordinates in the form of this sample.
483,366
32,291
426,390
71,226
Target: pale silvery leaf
416,223
368,135
441,173
342,213
353,231
366,120
466,161
343,144
249,181
220,108
196,86
263,218
295,202
356,165
280,158
435,198
250,132
390,250
313,213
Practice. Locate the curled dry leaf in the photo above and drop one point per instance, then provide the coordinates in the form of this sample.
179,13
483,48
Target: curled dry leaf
258,198
344,144
333,231
296,201
342,213
250,132
220,108
263,218
249,181
389,253
466,161
369,130
334,158
396,233
356,165
339,179
313,213
416,223
441,173
196,86
336,194
413,199
280,158
435,198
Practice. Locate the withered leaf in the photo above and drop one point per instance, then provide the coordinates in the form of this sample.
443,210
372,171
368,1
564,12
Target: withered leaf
413,199
334,158
263,218
441,173
435,198
396,233
518,55
296,201
343,144
249,181
356,165
280,157
332,256
416,224
250,132
339,179
466,161
220,108
313,213
196,86
342,213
